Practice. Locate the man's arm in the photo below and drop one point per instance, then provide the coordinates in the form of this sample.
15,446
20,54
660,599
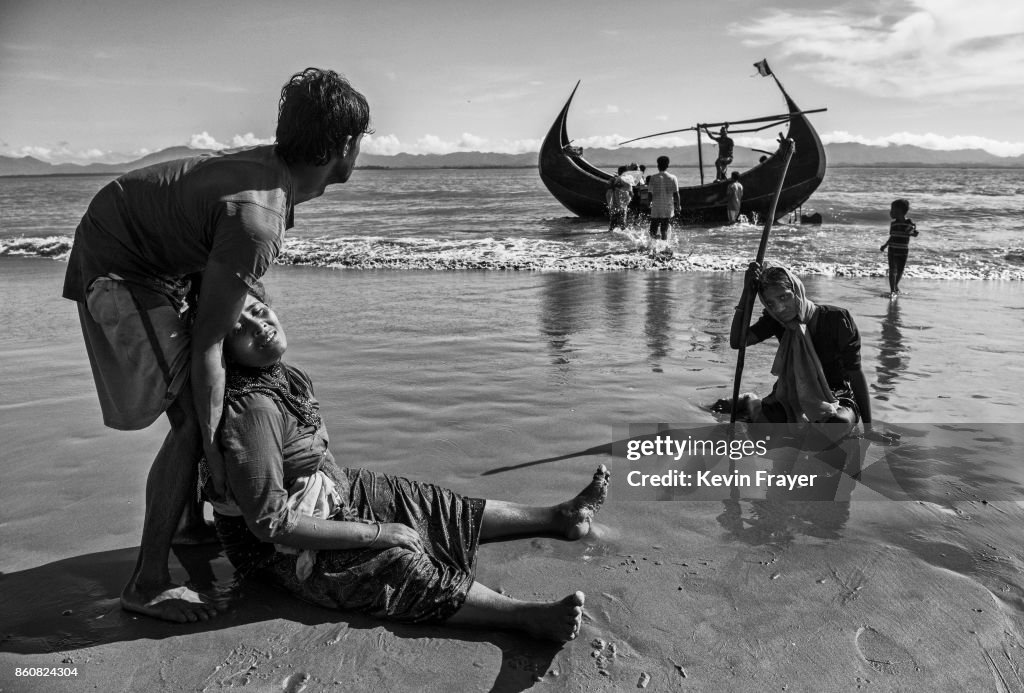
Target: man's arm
221,301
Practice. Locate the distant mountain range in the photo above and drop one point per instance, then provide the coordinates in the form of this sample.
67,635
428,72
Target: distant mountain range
842,154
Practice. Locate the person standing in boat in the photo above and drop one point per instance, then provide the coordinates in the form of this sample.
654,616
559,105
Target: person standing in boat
664,188
725,147
733,198
900,231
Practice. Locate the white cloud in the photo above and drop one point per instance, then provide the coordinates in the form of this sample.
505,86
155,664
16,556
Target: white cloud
387,145
250,140
432,144
384,145
64,153
205,140
930,141
915,49
469,141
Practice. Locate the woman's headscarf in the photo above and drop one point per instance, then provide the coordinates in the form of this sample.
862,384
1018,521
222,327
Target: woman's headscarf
801,388
805,307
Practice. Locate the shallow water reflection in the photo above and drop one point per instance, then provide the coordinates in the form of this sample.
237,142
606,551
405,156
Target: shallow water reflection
893,354
658,317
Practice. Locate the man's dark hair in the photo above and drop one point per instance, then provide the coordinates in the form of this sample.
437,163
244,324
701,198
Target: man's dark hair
258,291
317,112
662,163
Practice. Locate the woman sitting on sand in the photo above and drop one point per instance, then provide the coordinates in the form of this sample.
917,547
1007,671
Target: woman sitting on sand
354,539
818,362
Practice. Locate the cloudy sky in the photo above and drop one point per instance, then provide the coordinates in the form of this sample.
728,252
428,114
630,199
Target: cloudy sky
109,80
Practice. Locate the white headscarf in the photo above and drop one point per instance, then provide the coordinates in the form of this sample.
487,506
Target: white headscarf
801,388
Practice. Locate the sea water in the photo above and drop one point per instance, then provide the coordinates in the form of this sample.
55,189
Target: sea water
473,377
969,221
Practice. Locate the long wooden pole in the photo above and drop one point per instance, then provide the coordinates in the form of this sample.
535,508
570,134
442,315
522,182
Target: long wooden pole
782,117
700,157
748,307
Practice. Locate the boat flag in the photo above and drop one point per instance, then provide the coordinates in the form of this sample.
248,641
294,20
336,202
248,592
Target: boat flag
762,68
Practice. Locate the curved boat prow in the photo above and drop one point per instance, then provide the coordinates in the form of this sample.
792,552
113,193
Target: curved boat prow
574,182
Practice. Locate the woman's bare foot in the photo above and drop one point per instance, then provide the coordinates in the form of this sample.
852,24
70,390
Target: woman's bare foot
170,603
559,621
575,515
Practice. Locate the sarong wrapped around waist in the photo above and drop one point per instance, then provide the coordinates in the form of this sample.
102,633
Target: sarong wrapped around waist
390,582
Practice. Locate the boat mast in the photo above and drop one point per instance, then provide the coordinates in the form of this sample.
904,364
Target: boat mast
700,155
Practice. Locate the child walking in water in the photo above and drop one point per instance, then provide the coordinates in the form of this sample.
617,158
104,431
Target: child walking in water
900,231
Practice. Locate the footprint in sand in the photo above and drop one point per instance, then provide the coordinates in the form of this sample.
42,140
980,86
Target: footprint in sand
296,683
883,654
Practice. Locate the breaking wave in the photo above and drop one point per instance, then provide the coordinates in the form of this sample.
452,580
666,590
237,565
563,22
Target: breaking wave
629,250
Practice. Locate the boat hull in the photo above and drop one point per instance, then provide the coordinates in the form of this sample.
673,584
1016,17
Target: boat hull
580,186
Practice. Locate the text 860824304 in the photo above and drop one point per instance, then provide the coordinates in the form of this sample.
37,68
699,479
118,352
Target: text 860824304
50,672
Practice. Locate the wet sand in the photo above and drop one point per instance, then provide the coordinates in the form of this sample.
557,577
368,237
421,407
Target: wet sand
744,594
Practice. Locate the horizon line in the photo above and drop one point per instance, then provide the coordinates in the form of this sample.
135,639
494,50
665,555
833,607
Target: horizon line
139,157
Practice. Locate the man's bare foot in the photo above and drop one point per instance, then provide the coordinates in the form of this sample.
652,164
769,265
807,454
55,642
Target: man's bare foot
576,515
172,603
559,621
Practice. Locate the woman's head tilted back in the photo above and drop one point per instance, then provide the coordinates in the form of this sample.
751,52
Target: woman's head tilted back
257,340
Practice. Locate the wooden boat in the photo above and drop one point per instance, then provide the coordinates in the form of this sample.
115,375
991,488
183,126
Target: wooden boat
580,186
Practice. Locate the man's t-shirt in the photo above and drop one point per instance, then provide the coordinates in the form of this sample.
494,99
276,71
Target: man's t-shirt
160,223
663,187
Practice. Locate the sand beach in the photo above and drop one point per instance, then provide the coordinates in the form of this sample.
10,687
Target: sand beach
445,271
515,386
